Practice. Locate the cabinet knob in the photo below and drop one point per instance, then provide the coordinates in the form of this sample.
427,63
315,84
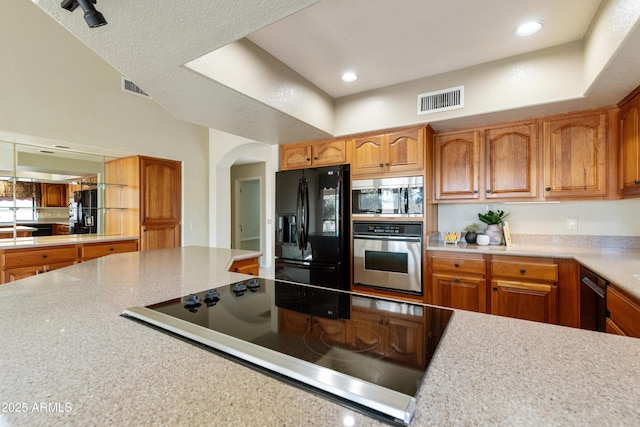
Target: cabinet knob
548,189
111,249
387,164
315,158
522,270
495,289
44,256
637,182
475,191
456,265
457,280
381,165
308,158
488,191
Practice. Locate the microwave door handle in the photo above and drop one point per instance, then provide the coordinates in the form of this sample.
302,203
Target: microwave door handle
406,200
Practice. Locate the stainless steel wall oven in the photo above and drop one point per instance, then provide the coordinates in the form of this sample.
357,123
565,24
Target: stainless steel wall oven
388,256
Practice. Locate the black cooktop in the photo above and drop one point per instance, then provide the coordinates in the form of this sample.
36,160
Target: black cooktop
370,353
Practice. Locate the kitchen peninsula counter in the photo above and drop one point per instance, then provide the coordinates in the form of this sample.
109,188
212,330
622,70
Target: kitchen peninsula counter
71,359
618,265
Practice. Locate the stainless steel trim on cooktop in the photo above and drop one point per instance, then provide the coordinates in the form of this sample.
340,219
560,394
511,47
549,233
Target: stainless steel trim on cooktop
392,403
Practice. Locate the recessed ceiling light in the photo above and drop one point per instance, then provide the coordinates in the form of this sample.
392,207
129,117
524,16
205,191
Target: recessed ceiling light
528,28
349,77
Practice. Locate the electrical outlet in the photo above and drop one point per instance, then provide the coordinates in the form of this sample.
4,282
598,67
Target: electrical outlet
572,223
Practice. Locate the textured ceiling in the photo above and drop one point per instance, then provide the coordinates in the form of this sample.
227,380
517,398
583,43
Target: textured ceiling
386,42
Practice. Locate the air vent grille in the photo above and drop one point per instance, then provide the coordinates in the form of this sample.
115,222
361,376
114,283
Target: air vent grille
441,100
131,87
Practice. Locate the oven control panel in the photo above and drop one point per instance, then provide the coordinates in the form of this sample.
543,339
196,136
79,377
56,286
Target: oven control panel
377,228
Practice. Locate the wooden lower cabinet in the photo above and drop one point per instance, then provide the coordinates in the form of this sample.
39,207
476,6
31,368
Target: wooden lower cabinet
624,313
26,262
21,263
13,274
531,288
246,266
159,237
459,281
525,288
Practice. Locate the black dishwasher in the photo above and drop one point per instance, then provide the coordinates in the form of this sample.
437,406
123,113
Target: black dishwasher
593,307
42,229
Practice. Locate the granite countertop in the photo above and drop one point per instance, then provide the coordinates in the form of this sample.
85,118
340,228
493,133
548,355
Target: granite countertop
65,346
59,240
618,265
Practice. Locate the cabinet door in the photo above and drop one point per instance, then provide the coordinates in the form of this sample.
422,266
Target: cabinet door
465,293
295,156
624,313
528,301
328,153
159,237
512,162
630,149
161,191
54,195
457,164
575,163
369,155
12,274
405,151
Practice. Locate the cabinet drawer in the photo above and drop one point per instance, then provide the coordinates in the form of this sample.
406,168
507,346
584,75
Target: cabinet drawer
525,270
99,250
246,266
624,312
462,265
25,258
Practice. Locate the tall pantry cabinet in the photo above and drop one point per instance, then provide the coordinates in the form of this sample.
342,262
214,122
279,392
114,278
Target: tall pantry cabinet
149,198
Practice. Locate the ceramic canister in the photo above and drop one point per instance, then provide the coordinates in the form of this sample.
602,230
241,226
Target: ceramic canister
482,239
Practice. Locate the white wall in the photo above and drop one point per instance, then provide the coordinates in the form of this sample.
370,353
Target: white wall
224,150
606,218
53,89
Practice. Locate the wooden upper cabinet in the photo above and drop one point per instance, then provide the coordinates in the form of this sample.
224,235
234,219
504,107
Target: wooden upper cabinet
395,153
575,159
511,162
319,153
369,155
630,148
457,165
161,190
54,195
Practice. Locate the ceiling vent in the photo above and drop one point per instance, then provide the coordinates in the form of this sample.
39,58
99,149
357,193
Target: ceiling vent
441,100
131,87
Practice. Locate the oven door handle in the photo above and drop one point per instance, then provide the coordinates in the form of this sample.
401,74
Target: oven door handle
396,238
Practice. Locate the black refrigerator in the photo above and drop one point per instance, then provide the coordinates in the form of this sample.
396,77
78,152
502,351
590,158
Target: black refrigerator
83,212
312,227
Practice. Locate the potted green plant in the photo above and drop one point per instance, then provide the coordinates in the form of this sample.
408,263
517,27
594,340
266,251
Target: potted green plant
471,232
493,221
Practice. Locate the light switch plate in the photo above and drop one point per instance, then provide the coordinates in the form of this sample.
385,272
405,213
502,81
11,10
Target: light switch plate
572,223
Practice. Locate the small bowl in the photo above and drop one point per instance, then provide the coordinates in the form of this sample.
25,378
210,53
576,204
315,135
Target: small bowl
482,240
450,236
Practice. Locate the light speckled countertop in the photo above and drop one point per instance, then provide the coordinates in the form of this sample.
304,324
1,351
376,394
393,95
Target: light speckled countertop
64,344
618,265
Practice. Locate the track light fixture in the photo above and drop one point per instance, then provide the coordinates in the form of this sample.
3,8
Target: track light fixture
91,15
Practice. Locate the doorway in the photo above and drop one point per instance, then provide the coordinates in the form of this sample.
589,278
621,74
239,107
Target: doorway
247,213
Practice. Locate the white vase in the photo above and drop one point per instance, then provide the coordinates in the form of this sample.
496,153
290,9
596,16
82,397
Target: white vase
495,234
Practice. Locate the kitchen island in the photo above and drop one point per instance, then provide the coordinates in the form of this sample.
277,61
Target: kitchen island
68,358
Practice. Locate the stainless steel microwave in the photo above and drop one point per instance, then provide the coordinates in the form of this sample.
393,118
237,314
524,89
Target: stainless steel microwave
395,197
